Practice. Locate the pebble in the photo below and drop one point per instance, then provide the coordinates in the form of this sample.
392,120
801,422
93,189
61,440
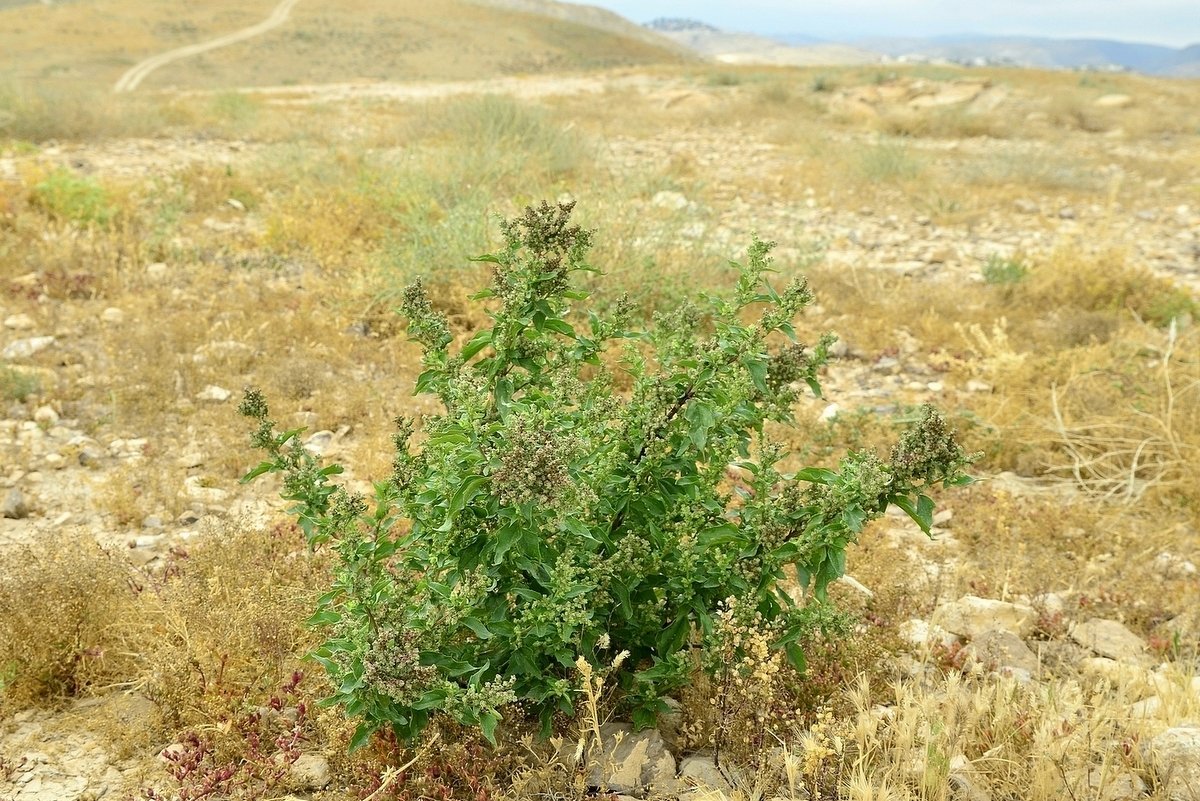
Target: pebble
90,456
113,316
14,506
1171,566
214,394
24,348
19,322
45,415
156,270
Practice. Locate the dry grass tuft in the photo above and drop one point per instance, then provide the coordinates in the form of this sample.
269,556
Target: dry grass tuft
65,600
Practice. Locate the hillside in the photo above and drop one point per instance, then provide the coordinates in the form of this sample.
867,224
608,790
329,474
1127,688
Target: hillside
95,41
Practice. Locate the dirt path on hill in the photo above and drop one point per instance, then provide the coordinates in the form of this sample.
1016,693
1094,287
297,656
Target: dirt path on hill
131,79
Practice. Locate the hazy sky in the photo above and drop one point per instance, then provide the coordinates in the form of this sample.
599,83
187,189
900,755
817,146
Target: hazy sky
1170,22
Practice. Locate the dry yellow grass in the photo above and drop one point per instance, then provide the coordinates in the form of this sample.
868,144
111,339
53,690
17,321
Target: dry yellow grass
1093,396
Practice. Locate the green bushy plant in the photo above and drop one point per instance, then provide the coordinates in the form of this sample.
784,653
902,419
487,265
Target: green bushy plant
543,517
64,195
999,271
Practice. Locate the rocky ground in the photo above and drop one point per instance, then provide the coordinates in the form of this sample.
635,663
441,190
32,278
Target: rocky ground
56,460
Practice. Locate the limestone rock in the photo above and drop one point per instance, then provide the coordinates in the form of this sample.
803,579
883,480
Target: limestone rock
19,322
1176,753
999,649
1109,638
1113,101
310,772
971,616
214,394
24,348
632,762
702,772
14,506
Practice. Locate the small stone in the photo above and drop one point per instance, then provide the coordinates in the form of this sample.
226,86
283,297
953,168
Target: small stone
1170,566
1113,101
172,752
667,199
829,413
975,385
235,204
152,521
1066,213
941,256
214,394
1025,206
935,386
1109,638
112,315
14,507
925,635
156,270
310,772
190,459
318,442
45,415
887,364
24,348
971,616
701,772
19,322
55,461
190,517
90,456
1145,708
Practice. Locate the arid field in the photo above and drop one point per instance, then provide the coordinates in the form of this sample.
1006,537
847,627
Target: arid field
1020,249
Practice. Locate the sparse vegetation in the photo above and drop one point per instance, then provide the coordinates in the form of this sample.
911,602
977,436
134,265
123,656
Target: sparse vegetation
1028,266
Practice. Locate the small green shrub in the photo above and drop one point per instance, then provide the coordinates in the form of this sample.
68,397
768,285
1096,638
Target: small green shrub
999,271
16,384
544,519
63,195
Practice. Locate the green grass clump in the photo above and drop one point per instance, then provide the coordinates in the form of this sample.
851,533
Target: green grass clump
17,384
999,271
68,197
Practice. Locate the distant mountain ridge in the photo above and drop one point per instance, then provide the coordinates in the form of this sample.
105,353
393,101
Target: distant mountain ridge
970,49
751,48
1036,51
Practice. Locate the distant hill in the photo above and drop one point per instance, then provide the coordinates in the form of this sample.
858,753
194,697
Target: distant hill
1024,51
1031,51
323,41
749,48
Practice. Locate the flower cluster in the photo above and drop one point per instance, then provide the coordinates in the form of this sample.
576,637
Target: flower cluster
928,451
392,666
533,464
